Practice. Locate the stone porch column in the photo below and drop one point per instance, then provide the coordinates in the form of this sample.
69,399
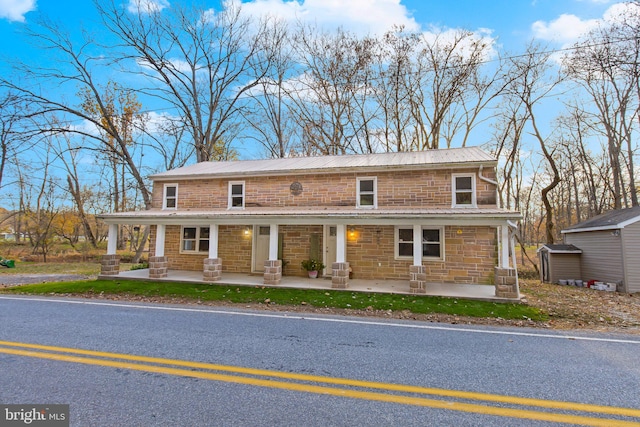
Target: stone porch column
159,264
110,263
340,275
506,282
213,265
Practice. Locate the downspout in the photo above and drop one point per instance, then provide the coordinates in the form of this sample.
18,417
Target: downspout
490,181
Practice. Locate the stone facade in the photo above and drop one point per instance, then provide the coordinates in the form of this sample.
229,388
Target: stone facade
469,253
411,188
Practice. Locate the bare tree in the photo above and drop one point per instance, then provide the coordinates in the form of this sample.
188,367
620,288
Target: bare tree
198,62
606,65
531,84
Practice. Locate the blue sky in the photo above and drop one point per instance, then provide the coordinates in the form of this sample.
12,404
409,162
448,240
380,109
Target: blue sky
512,22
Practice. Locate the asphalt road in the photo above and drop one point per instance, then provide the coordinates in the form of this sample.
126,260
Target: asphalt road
229,367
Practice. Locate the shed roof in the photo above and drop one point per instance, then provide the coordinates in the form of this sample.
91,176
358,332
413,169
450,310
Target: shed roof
608,221
452,157
560,249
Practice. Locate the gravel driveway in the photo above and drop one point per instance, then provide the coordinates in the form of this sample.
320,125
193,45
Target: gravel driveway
24,279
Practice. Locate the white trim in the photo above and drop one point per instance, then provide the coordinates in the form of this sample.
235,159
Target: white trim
164,197
375,192
454,190
230,199
396,241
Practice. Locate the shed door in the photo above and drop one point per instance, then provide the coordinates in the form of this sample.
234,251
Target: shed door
544,264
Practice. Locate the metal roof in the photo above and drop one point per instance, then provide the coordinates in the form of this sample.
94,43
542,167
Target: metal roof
323,164
607,221
305,214
560,249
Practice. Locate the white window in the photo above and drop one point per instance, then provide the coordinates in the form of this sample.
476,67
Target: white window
194,240
367,196
432,243
236,195
170,196
464,191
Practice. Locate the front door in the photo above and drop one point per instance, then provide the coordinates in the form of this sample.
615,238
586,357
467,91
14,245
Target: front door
330,243
260,247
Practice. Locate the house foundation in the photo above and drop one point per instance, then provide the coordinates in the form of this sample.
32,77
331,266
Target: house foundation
506,282
212,269
340,275
158,267
272,272
418,279
110,265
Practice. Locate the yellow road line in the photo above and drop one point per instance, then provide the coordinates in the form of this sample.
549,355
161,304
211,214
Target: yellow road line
407,400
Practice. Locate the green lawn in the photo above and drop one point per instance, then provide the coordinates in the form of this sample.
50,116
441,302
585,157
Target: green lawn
290,297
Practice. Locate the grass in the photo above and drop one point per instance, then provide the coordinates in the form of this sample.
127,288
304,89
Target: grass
288,297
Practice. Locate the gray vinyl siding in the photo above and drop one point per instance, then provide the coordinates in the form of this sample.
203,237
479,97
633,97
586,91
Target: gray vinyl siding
564,267
601,255
631,253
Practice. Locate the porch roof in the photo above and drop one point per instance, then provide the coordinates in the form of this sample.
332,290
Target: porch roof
316,215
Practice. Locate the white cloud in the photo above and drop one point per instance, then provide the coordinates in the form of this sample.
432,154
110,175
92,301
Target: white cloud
14,10
359,16
565,29
147,6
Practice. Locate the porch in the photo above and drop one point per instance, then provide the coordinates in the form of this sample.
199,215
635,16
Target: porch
466,291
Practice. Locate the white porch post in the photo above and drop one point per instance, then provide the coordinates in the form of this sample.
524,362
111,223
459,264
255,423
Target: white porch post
213,265
417,271
273,242
504,246
159,264
161,230
417,244
506,275
341,236
213,241
112,242
273,266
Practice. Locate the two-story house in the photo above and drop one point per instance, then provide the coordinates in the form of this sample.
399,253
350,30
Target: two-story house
425,217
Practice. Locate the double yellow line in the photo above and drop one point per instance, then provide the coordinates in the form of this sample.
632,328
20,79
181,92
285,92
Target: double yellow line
350,388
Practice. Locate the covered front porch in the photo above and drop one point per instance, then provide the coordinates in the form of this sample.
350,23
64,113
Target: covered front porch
434,252
476,292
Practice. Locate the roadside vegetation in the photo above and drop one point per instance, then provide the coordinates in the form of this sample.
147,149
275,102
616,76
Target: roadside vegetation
284,297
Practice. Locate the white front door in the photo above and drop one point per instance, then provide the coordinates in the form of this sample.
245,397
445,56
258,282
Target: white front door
260,247
330,232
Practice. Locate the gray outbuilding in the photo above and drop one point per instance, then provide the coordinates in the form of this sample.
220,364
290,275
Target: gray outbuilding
610,245
558,262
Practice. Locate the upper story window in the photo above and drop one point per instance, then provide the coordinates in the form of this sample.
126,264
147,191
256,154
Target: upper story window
170,196
236,195
367,189
194,239
432,243
464,191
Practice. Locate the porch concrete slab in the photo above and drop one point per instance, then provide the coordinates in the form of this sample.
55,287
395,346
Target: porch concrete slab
478,292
